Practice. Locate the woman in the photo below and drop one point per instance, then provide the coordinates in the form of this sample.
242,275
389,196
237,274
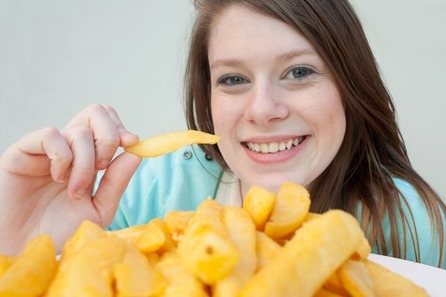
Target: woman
294,92
371,167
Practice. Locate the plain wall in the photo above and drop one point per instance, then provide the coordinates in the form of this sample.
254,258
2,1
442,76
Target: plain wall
57,57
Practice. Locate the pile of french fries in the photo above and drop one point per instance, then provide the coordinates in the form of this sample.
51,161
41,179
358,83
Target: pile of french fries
272,246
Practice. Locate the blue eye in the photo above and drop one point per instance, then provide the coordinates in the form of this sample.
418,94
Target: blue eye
299,72
232,80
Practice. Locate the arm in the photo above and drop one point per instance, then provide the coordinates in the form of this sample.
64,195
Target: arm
47,178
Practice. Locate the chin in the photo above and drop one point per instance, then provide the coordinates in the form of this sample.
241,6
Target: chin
272,182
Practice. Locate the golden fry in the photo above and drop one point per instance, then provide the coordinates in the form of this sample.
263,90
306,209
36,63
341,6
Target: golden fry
89,271
388,283
322,292
290,210
177,221
317,249
32,272
334,285
167,143
155,237
5,263
259,203
206,248
242,233
356,279
181,282
129,234
85,234
273,246
134,276
266,249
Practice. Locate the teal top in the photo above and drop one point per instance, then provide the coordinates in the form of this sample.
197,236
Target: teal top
183,179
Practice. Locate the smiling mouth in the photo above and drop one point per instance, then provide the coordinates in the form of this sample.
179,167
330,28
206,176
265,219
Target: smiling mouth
274,147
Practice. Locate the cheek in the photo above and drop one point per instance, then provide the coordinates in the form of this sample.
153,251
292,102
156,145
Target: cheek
222,128
217,115
327,116
224,115
333,124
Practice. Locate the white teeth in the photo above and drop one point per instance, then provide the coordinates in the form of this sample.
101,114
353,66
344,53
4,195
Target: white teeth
273,147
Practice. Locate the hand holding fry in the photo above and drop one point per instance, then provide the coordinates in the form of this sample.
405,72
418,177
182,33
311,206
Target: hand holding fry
56,170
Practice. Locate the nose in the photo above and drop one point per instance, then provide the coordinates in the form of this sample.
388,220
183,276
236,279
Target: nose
265,105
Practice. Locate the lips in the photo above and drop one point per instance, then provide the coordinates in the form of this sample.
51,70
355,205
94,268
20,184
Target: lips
274,147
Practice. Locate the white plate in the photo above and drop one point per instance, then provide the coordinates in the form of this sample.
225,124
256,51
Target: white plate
432,279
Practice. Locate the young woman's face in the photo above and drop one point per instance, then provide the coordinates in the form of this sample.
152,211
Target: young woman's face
274,104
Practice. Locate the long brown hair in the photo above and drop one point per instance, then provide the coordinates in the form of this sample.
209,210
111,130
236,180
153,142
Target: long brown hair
373,151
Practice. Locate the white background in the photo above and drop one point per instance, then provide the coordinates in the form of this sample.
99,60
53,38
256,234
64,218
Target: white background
58,56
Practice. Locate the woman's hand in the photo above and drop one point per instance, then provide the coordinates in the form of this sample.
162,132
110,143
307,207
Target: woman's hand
47,178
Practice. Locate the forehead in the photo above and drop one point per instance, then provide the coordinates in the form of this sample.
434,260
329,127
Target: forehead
239,29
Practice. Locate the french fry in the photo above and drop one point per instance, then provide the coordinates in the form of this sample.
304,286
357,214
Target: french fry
206,248
334,285
388,283
273,246
177,221
129,234
290,210
317,249
356,279
266,249
363,251
32,272
181,282
259,203
89,270
322,292
156,237
311,216
242,233
85,234
134,276
166,143
5,263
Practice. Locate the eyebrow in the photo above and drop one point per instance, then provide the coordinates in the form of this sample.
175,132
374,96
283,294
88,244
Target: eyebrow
281,57
297,53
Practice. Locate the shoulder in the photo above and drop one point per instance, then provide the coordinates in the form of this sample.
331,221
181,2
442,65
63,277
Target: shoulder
407,190
410,198
420,223
175,181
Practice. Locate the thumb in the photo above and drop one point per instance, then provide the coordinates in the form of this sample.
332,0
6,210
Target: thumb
113,184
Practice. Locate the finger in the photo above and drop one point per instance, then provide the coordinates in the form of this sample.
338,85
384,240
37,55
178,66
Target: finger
113,184
105,124
83,169
39,153
126,138
106,136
